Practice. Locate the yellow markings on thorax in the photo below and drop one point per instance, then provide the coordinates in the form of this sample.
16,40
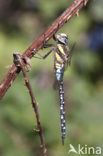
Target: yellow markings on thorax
58,58
61,49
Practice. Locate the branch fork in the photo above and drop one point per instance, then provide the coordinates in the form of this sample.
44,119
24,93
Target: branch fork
39,43
21,62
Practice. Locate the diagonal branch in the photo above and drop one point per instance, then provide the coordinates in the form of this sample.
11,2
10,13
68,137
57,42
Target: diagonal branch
38,44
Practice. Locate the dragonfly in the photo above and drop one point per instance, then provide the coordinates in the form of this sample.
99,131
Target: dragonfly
62,57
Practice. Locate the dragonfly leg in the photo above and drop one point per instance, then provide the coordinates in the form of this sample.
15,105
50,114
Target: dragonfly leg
54,37
45,45
45,56
56,29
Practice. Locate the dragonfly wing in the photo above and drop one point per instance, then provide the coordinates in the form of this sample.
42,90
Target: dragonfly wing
70,54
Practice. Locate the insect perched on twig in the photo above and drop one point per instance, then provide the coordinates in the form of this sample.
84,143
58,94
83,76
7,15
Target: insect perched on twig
62,57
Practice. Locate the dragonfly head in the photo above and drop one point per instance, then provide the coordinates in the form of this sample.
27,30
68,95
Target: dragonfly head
62,38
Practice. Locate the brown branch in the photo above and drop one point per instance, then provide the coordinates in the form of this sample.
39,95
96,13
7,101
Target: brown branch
18,60
38,44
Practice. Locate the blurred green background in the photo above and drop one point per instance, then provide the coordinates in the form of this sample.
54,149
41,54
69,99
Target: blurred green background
21,22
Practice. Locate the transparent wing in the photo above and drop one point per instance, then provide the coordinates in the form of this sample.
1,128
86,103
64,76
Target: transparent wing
70,54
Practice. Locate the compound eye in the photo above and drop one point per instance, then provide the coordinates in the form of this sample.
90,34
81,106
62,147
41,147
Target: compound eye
64,41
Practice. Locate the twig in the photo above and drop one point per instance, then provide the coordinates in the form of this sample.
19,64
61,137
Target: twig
20,62
38,44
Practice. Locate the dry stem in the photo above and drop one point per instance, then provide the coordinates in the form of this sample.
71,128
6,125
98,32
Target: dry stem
18,60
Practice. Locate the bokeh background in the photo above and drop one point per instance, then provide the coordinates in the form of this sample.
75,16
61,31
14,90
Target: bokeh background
21,22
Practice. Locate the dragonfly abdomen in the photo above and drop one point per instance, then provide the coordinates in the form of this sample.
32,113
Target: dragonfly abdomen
62,110
59,76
